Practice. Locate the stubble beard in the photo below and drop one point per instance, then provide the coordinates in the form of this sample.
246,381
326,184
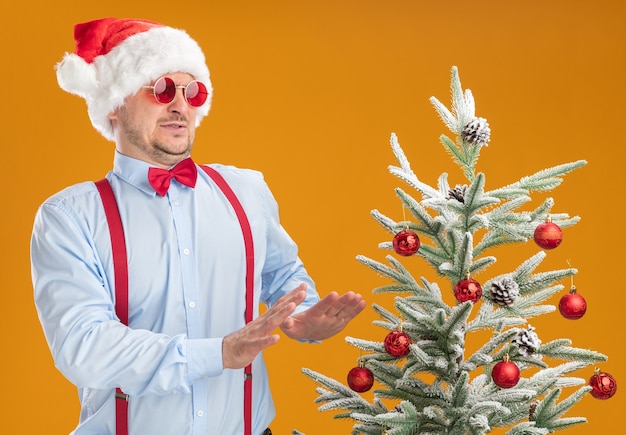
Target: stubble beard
161,152
152,148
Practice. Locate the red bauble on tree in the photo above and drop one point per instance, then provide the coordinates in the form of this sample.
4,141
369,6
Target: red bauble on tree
468,289
360,379
548,235
398,344
505,374
603,385
572,305
406,243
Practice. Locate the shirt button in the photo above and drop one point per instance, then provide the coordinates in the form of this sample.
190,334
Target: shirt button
176,202
192,304
200,413
186,251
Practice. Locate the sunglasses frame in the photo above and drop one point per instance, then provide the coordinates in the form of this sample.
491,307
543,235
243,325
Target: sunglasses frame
184,88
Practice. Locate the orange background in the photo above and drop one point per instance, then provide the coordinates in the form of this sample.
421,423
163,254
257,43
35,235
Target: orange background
309,92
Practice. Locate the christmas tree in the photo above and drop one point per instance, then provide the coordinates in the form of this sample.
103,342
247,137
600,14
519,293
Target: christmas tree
426,383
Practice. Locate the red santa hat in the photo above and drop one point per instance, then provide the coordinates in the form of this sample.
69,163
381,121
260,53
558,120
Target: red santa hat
115,57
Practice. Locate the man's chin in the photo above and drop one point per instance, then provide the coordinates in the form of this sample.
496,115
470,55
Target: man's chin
174,148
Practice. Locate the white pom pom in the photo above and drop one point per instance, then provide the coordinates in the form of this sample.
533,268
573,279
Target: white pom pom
76,76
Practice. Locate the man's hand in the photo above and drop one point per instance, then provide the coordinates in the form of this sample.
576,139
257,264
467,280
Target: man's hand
321,321
241,347
324,319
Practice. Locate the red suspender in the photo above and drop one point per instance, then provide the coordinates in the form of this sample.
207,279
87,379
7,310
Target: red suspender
120,267
120,264
247,237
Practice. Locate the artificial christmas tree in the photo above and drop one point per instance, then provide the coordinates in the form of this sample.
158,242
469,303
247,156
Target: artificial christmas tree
436,388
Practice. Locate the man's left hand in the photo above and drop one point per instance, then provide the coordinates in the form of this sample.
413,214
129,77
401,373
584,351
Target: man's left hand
324,319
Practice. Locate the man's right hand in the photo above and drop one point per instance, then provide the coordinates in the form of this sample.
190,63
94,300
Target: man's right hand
241,347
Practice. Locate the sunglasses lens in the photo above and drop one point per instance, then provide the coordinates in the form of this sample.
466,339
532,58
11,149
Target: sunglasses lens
164,90
196,93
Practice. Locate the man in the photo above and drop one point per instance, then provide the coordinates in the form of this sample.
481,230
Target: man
179,362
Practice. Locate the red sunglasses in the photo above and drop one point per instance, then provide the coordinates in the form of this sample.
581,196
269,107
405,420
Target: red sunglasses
164,91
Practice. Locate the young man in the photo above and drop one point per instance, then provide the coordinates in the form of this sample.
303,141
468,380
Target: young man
196,261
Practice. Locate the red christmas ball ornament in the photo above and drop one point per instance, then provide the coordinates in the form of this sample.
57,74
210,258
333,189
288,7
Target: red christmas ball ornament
572,305
468,289
398,344
360,379
406,243
505,374
548,235
603,385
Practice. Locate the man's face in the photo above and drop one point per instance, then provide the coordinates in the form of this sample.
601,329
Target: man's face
160,134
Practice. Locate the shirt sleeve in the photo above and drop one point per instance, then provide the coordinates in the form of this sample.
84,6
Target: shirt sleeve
76,309
283,270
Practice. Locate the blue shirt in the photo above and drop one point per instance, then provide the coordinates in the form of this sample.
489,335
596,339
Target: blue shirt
186,292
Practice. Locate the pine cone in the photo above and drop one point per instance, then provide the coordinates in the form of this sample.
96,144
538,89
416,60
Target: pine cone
504,292
527,341
458,193
476,132
532,409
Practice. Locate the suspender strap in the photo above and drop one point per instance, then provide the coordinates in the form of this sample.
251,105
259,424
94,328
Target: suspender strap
120,266
249,247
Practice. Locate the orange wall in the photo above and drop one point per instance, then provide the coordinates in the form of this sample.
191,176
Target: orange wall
309,92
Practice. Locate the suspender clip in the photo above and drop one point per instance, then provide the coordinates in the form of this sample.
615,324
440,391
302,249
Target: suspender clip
121,396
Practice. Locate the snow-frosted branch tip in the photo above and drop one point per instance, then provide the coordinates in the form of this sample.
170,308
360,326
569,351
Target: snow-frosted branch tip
445,115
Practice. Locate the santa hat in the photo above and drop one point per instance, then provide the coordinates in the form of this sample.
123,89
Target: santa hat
115,57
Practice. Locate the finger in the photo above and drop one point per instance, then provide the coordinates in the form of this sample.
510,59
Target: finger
288,323
355,309
286,305
239,350
271,319
346,304
352,303
282,309
325,305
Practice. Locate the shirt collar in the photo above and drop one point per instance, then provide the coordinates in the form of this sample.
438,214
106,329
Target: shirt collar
133,171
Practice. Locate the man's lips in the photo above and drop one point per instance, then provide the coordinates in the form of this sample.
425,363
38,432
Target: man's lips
174,125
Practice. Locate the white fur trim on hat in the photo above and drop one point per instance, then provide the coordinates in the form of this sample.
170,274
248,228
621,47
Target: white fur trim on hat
133,63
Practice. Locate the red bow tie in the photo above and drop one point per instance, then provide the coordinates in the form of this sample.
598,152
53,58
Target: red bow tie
184,172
